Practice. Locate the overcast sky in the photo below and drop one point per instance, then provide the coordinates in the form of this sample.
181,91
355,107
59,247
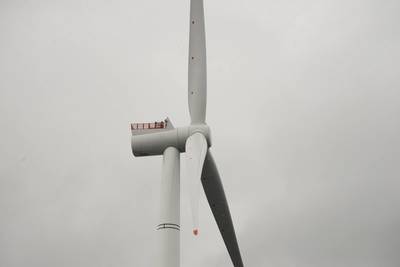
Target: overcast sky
303,102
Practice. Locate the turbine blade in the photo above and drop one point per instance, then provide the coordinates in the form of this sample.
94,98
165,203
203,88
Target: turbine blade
216,198
197,82
196,150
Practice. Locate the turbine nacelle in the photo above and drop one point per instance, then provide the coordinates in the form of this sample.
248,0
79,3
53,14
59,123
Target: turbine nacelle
151,139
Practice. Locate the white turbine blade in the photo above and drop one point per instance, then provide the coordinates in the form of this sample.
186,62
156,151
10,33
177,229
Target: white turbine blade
214,191
196,151
197,87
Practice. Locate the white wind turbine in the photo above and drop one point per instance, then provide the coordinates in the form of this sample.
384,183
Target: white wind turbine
161,138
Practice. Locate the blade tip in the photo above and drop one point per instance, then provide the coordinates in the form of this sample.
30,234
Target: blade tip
196,232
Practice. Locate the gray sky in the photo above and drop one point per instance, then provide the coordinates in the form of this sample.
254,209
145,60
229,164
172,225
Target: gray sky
304,104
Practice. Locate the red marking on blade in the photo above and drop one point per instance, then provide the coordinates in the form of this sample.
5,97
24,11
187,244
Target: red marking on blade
195,231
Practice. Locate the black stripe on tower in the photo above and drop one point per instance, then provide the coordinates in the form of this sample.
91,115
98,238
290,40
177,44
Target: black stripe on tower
168,226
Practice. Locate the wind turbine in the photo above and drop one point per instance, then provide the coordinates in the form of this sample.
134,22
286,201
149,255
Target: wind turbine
162,138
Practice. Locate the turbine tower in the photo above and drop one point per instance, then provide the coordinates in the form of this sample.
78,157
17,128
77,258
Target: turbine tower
162,138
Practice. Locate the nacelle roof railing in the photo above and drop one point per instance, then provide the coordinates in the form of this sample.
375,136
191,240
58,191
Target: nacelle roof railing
149,125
